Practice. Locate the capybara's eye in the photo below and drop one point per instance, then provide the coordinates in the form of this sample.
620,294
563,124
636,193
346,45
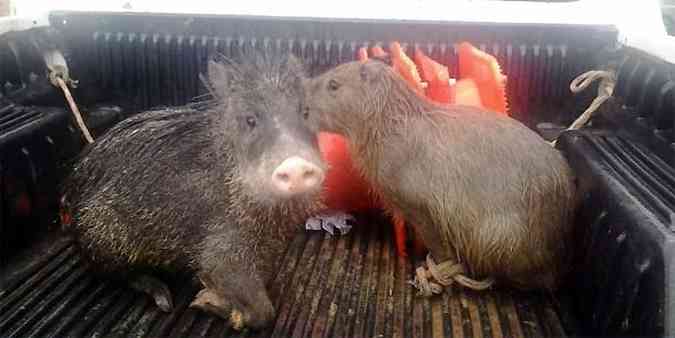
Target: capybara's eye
251,121
333,85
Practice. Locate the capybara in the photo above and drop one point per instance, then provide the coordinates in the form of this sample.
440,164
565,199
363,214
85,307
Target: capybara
480,188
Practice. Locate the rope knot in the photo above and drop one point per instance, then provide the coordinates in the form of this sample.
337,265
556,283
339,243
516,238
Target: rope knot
58,76
57,72
435,277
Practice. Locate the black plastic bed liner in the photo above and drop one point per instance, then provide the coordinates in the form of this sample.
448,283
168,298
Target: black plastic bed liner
331,286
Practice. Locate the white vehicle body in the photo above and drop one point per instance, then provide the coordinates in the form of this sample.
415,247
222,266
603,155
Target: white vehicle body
640,23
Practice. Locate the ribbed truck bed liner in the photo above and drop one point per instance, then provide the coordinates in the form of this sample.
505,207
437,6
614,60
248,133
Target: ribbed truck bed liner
331,286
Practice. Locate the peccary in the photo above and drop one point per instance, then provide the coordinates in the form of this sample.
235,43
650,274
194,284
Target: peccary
216,189
482,188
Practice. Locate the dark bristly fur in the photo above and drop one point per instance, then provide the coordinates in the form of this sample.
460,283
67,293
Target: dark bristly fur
483,188
188,188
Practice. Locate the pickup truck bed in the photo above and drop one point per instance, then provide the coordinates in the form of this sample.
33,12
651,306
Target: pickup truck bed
353,285
331,286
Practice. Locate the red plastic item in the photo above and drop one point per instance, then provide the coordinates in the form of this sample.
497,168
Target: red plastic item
484,70
344,188
436,76
377,51
66,219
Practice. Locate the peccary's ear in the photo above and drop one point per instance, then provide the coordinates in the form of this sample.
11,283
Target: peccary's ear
296,69
299,83
363,71
218,76
295,65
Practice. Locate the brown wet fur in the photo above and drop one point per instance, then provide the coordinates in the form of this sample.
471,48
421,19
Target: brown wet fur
481,188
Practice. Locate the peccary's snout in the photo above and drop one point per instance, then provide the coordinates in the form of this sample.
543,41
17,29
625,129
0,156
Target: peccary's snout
296,176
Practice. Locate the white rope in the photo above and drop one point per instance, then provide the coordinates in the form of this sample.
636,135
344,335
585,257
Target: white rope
59,77
59,82
605,90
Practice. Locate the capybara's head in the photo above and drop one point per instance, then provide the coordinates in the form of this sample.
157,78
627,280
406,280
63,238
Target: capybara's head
350,95
260,125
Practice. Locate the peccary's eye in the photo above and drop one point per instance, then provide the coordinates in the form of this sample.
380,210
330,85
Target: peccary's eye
333,85
305,113
251,121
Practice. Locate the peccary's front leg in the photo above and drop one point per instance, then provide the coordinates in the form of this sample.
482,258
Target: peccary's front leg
233,288
206,300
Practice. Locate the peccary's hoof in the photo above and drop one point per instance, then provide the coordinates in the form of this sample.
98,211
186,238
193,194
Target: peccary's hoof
156,289
237,320
208,301
164,302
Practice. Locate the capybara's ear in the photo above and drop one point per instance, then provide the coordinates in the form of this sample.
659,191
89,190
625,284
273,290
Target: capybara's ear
370,70
363,70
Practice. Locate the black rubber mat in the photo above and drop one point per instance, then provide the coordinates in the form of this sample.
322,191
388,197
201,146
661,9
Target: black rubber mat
331,286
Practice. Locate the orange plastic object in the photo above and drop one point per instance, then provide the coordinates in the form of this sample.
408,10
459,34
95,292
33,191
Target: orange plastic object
363,54
344,187
436,76
405,67
377,51
399,233
346,190
484,70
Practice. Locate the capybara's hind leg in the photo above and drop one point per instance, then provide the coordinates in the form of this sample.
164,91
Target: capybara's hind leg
154,288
